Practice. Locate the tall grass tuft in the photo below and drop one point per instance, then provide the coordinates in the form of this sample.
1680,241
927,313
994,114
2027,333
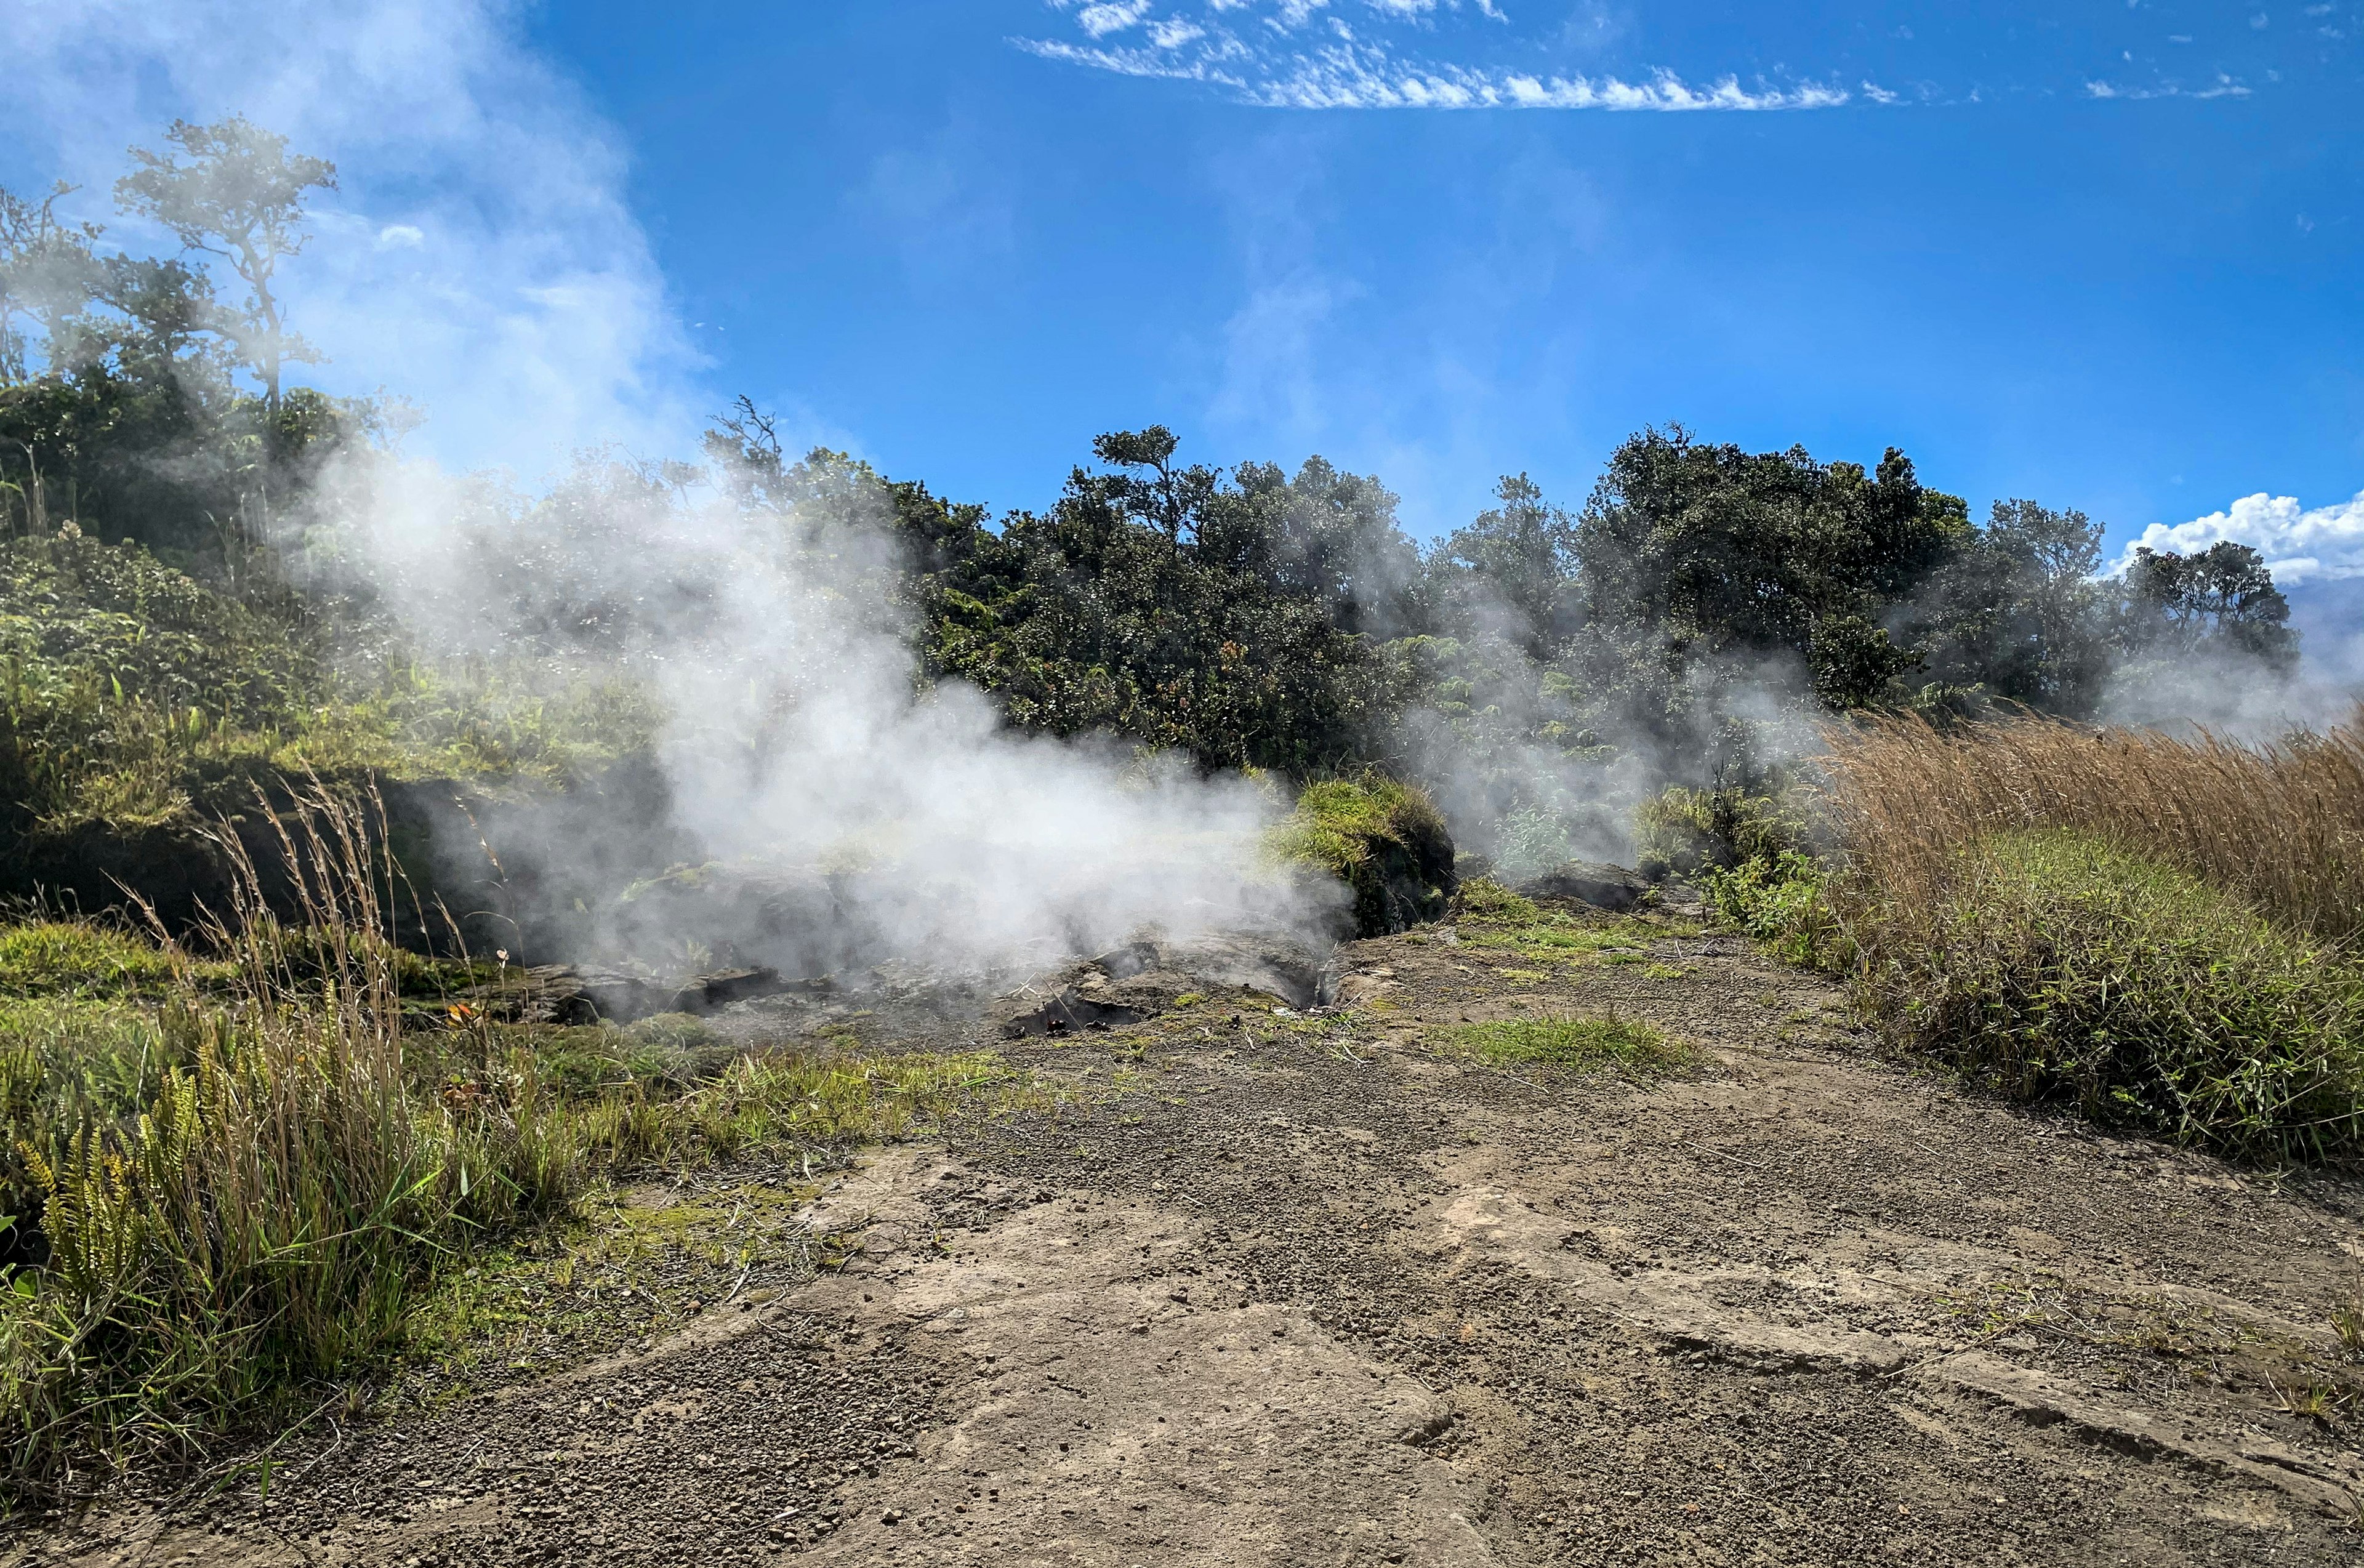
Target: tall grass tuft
2281,826
234,1167
257,1225
2158,929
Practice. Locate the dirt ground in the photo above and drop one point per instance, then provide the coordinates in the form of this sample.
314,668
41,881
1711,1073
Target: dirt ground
1291,1289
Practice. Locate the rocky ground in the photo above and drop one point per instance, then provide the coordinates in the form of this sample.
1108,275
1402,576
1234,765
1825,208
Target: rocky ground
1292,1287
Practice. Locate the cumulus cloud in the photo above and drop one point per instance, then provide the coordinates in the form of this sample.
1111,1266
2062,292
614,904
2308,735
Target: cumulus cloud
2321,544
1313,54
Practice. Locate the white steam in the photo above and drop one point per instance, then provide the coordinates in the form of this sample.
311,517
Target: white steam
481,257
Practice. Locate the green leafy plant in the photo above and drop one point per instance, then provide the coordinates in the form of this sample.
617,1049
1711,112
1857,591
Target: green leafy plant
1779,901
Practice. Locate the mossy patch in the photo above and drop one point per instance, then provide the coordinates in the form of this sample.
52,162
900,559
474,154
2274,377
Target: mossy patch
1384,838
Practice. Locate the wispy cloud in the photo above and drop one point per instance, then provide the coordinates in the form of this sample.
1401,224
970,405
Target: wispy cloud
1344,54
2301,545
2222,87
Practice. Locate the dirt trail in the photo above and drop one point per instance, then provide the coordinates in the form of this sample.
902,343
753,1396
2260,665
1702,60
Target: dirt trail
1315,1295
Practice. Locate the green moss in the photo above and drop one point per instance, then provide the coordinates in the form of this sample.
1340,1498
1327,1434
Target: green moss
1383,837
46,957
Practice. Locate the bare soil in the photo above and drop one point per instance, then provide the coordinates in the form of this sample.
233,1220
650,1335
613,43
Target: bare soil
1291,1289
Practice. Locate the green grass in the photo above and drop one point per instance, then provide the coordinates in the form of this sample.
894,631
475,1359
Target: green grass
231,1185
1494,918
2058,965
628,1263
44,958
1579,1044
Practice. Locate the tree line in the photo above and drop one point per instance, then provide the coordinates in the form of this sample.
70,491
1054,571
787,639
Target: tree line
1249,615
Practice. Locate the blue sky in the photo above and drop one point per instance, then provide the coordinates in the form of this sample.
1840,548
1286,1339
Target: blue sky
2109,256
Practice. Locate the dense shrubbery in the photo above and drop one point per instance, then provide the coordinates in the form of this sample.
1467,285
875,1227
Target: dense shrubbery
2056,964
1693,831
2154,930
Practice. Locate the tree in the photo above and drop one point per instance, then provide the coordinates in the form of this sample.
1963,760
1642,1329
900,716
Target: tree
1322,535
2016,614
47,272
1512,570
240,195
2221,599
1169,499
1688,550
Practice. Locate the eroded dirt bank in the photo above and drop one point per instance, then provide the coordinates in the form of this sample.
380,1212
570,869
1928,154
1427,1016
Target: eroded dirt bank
1309,1292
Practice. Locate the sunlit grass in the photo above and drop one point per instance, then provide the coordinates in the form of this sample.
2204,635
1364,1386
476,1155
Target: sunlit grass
233,1184
1577,1043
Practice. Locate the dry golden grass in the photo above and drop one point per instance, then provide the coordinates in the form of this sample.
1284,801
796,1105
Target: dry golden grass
2160,931
2279,826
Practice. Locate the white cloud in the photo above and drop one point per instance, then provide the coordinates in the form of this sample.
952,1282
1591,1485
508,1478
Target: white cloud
400,236
1100,21
2222,87
2324,544
1262,52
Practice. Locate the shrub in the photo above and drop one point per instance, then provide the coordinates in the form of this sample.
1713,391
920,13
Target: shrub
1690,832
1532,841
1483,898
2056,963
1779,901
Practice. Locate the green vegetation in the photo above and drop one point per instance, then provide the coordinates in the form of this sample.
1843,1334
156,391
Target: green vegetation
1493,918
237,1164
47,958
2058,964
1692,831
1579,1044
1384,838
1779,900
1248,616
2155,930
233,1182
